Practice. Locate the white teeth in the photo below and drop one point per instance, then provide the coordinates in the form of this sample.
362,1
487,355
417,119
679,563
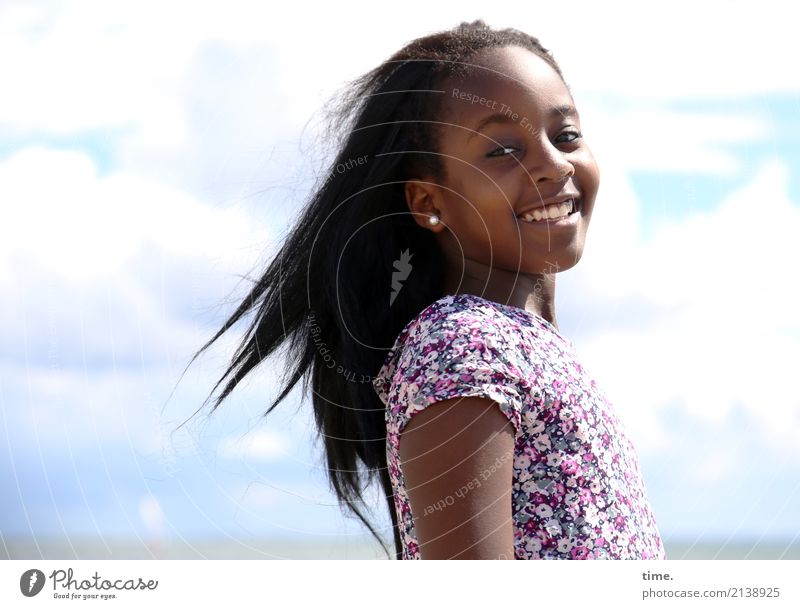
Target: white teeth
551,212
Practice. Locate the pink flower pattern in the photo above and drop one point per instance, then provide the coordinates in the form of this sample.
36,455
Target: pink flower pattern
578,491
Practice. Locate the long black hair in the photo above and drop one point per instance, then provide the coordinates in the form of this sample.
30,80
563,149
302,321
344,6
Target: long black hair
329,292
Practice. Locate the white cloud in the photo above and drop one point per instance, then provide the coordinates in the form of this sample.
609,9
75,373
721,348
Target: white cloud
259,445
652,138
92,64
152,515
715,467
684,51
62,215
720,327
60,83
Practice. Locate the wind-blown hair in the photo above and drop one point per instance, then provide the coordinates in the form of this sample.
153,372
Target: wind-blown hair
328,292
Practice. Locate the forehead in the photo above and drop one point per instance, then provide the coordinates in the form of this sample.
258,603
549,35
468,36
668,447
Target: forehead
504,79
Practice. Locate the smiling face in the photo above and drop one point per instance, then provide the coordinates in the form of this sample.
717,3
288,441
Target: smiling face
512,146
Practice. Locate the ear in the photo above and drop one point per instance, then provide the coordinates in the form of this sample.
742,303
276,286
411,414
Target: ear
422,201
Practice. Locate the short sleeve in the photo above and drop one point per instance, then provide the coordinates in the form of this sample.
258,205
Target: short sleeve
459,355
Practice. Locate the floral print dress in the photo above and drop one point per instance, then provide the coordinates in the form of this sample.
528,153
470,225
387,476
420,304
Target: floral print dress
577,488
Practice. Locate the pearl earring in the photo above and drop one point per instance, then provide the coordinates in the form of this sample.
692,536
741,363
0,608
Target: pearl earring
433,220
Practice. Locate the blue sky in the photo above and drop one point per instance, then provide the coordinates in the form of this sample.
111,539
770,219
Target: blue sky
146,162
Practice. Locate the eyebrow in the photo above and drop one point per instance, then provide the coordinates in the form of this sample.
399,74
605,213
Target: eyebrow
502,118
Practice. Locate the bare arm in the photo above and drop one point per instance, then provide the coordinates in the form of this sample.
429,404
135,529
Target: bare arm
457,459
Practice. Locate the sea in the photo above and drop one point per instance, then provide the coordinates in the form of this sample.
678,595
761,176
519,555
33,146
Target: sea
323,548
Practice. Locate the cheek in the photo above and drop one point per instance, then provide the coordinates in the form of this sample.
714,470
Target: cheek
473,227
481,202
589,173
489,235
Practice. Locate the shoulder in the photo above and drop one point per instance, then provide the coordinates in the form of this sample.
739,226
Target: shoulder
460,351
456,323
455,327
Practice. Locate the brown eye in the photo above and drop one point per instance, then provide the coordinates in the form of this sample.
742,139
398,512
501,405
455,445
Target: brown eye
577,135
502,151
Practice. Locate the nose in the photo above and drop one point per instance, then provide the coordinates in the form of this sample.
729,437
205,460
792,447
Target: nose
549,164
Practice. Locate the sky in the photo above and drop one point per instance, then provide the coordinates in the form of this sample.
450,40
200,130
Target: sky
152,154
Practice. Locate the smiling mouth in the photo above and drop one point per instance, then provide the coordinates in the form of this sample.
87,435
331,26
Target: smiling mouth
551,213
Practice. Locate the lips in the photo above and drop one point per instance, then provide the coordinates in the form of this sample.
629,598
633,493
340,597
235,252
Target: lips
552,213
562,198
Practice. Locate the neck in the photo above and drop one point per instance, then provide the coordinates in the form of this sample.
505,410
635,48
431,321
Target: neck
533,292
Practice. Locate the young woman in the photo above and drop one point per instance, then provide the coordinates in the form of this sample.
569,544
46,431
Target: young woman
416,297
